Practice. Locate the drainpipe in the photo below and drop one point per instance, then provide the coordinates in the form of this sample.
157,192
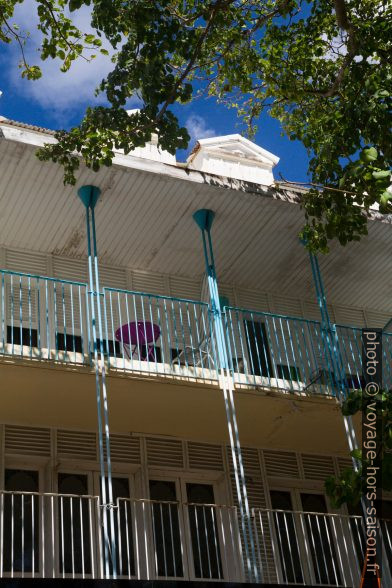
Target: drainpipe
89,195
204,219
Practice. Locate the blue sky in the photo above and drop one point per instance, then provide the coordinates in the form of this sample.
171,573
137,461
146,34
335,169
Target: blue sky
58,100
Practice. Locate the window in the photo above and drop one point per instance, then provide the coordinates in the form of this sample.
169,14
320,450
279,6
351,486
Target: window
21,522
29,336
122,527
204,531
166,529
320,539
74,515
258,348
286,537
288,372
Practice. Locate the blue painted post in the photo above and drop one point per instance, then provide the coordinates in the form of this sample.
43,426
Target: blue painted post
204,219
89,195
334,359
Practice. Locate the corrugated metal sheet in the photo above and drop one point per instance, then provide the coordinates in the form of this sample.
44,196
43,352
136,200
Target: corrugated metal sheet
144,221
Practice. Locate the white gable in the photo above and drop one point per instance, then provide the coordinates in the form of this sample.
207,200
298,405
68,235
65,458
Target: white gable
233,156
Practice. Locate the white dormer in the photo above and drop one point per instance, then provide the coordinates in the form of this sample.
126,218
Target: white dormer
151,150
233,156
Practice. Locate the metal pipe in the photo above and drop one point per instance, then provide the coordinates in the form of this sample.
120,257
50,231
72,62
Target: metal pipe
204,219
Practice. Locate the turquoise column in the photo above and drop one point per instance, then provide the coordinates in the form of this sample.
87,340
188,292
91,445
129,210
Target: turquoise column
89,195
204,219
334,358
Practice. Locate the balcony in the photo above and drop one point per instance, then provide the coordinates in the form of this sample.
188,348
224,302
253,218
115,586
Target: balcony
61,536
47,319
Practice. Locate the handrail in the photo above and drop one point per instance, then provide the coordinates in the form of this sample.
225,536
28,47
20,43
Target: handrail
160,296
271,314
39,277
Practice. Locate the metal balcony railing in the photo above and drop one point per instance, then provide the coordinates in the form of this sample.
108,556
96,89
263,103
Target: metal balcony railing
295,354
316,549
44,318
158,334
60,536
50,319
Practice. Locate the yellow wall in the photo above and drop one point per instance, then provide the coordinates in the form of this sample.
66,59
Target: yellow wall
49,395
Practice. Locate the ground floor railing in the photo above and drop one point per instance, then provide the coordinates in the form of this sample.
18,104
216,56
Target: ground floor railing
61,536
316,549
50,319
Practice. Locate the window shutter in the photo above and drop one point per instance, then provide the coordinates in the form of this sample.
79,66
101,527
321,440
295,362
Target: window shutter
27,441
76,445
317,467
124,449
281,464
202,456
164,453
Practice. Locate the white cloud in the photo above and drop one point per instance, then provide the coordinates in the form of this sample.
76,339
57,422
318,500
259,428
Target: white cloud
198,128
62,93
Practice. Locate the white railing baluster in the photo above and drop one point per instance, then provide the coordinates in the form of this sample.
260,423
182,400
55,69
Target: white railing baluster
196,541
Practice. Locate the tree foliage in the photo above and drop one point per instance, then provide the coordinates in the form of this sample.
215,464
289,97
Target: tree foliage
350,486
322,68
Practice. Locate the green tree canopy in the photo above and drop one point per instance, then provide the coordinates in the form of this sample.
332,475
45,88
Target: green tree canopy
350,486
322,68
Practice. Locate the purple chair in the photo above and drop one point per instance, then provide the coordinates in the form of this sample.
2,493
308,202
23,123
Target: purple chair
138,337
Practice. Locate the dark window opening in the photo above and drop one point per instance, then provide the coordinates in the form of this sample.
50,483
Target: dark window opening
286,537
21,542
204,531
29,336
258,348
67,342
74,525
288,372
319,532
166,529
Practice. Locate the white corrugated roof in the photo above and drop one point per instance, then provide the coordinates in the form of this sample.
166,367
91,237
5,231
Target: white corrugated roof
144,221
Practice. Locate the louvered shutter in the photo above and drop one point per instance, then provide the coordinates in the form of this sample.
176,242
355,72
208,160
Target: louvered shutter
253,300
164,453
317,467
349,316
183,287
70,269
111,277
23,261
148,282
76,445
69,308
124,449
287,306
281,464
344,463
22,301
203,456
27,441
375,319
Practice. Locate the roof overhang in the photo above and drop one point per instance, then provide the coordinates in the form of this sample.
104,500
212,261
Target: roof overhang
144,221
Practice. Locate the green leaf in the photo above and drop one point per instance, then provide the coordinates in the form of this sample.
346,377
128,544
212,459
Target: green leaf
369,155
382,174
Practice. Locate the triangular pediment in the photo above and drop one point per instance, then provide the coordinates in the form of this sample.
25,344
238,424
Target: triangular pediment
233,156
238,147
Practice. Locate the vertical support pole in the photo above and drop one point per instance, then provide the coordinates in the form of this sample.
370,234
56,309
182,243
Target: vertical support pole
334,358
204,219
89,195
